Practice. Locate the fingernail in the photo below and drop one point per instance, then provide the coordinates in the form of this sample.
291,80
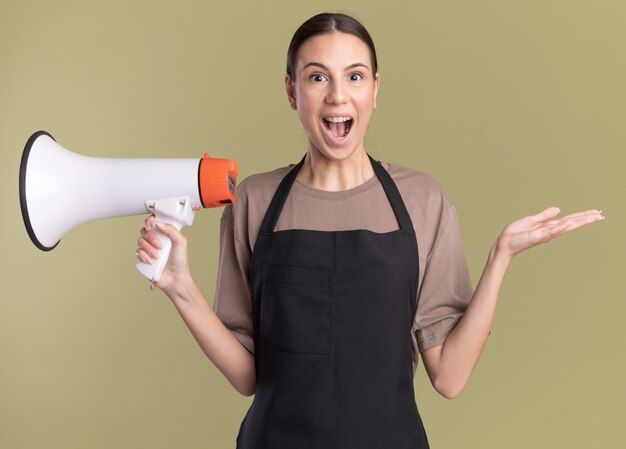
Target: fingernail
148,260
158,244
155,255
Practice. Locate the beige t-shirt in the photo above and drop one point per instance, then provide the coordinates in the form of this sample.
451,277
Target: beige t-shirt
444,286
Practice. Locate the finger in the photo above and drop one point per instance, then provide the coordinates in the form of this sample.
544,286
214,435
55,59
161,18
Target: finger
570,225
148,246
581,217
583,213
142,256
149,249
148,223
151,237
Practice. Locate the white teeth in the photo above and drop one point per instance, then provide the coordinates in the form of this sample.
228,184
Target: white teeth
337,119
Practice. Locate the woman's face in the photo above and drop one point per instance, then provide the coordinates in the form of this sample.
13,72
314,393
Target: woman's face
334,92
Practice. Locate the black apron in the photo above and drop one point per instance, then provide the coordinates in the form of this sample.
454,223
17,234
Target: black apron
332,315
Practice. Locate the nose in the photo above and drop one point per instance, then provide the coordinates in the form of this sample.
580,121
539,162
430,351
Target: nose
336,93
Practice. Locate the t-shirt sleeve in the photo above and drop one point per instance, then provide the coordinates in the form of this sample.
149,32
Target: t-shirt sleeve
232,302
239,228
446,288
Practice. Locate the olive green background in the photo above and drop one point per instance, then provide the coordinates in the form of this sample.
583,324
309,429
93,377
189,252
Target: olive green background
512,106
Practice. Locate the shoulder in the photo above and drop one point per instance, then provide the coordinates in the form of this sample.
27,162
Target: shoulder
417,186
254,195
429,207
260,182
256,191
409,175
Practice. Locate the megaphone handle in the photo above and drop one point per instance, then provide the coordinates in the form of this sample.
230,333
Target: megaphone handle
176,212
153,271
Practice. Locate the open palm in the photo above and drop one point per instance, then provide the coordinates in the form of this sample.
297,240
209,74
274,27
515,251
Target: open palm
540,228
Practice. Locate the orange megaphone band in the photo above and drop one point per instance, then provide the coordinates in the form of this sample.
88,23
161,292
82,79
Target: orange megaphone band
217,181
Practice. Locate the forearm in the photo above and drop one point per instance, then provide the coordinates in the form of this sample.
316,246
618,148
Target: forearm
215,339
451,364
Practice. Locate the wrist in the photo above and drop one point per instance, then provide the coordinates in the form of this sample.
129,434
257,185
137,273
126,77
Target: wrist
499,256
179,286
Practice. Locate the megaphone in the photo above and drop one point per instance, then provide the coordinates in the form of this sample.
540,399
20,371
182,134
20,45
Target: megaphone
60,189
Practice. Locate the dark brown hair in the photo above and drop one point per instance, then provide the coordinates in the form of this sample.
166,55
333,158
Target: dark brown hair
328,23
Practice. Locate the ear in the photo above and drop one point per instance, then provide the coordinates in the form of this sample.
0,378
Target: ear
290,89
376,86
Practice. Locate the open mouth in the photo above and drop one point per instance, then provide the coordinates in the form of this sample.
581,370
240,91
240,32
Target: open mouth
338,127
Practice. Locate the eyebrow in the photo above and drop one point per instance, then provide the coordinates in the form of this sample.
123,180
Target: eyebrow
322,66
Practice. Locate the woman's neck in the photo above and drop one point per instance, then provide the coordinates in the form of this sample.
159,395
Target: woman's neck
322,173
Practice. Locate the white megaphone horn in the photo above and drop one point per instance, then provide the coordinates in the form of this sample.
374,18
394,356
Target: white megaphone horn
60,189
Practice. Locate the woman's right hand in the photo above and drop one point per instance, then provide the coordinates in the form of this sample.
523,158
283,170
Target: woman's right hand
216,340
176,272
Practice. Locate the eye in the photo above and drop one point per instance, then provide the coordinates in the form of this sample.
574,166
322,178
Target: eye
318,77
356,76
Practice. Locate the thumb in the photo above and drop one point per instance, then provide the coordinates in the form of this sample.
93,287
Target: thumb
546,214
172,232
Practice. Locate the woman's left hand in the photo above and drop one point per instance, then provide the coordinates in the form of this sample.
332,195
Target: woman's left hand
540,228
450,365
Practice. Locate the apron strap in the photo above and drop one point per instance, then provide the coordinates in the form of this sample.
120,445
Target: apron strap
278,201
390,188
393,195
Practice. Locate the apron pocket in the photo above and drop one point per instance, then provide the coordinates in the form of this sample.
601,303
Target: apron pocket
296,309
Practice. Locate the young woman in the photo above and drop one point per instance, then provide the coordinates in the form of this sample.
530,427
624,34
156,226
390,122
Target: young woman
337,272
